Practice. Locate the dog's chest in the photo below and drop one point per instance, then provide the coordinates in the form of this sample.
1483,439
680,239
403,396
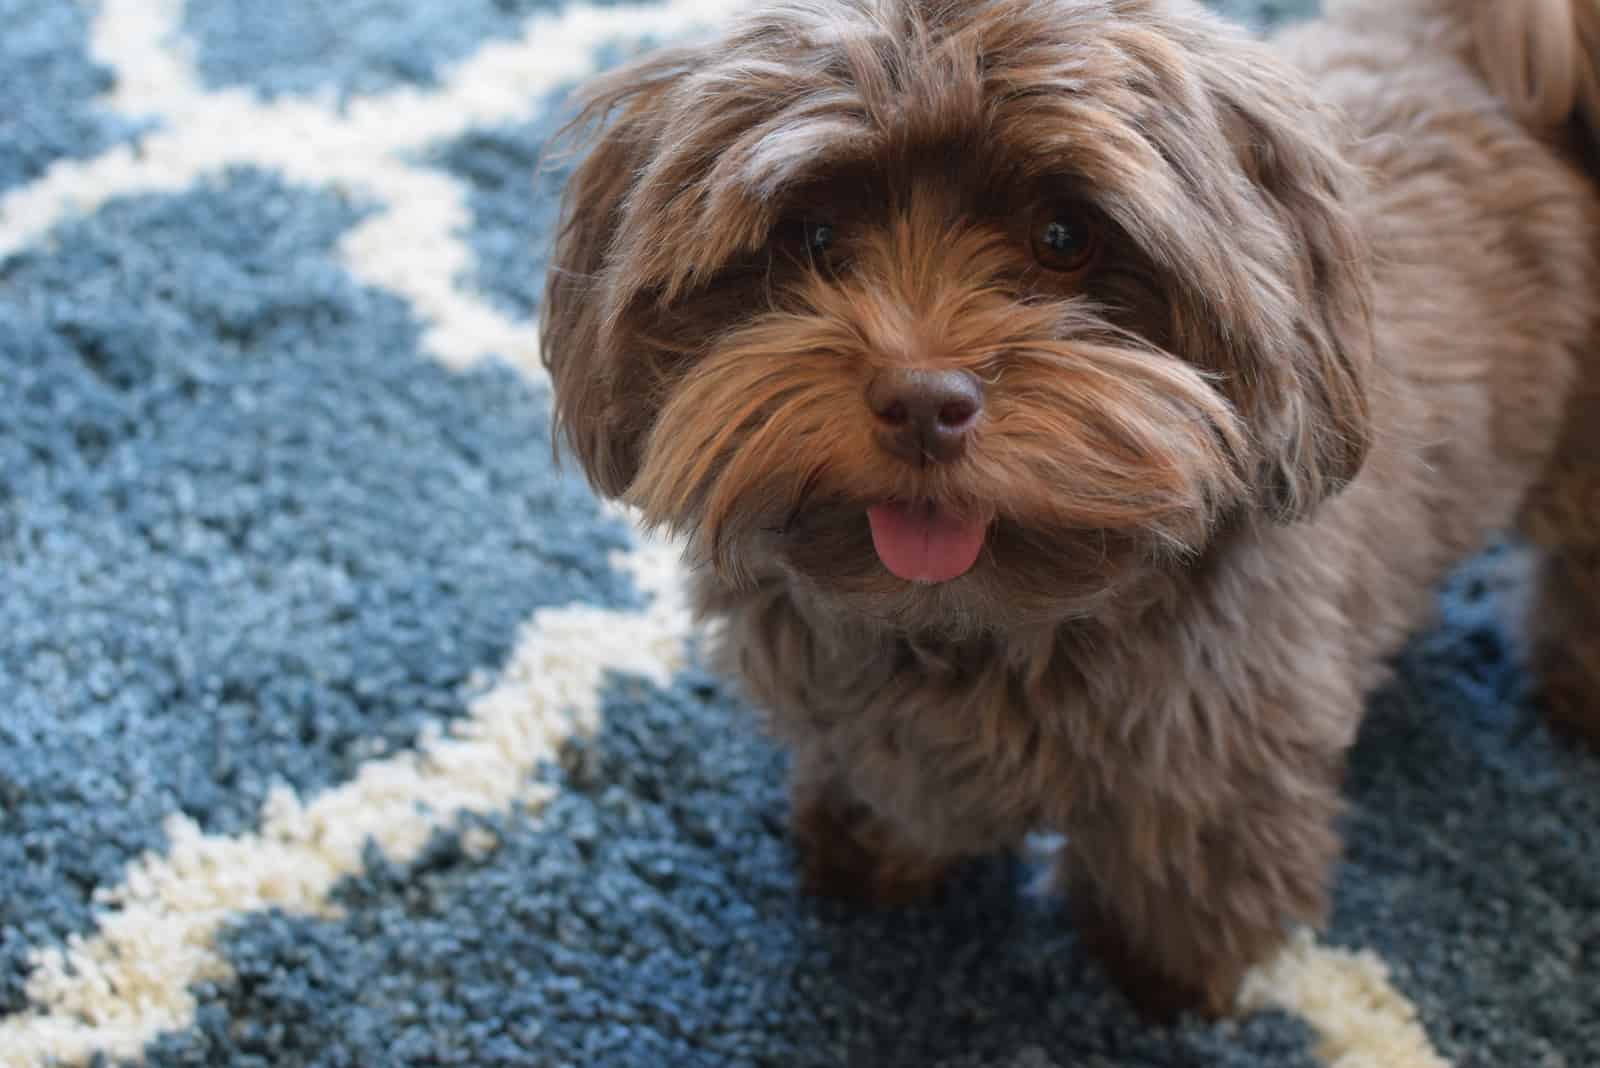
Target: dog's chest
972,740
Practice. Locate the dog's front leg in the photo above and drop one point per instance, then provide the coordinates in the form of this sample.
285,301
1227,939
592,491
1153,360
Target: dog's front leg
809,681
1180,897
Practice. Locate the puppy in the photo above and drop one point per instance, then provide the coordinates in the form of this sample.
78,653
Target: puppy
1068,405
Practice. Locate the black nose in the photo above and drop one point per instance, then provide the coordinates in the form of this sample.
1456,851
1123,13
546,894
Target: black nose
925,416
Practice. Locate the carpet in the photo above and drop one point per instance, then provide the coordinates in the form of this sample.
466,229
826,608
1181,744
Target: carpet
340,727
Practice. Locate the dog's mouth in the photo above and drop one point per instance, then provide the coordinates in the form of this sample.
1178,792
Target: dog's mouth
923,541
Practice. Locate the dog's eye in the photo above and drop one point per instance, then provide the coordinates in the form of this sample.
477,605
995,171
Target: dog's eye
806,241
1065,238
819,237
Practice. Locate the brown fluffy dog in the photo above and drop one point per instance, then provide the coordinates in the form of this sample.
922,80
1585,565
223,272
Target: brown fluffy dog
1069,404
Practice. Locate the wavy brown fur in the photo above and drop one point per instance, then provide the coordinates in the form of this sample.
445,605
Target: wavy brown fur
1335,336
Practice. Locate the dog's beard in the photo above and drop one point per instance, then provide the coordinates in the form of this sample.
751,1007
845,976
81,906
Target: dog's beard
1098,458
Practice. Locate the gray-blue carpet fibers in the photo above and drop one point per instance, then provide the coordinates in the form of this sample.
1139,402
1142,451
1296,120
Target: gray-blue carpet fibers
281,537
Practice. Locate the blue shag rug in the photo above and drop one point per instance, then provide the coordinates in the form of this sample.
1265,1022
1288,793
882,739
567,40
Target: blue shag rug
339,727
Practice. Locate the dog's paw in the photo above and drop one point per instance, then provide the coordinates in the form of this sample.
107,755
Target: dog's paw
847,854
1158,995
1571,707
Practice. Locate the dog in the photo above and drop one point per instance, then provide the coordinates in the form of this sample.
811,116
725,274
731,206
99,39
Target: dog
1068,406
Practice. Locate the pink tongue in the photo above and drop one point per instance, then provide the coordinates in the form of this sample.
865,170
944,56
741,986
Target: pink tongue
921,543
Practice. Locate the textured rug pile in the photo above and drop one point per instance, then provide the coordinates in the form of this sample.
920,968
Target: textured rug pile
339,727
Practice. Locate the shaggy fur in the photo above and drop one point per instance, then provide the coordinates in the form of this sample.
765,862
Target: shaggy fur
1341,328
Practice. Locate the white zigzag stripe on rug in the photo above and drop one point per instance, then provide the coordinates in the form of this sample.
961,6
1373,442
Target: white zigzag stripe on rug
412,244
115,991
1360,1019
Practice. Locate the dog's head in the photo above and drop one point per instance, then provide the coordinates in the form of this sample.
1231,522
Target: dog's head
963,312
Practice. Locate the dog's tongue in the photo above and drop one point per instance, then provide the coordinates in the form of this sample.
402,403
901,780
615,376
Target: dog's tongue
922,543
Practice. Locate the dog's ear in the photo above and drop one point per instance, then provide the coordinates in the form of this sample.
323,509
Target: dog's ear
1306,307
601,404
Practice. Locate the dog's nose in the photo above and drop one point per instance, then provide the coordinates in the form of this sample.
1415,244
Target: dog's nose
925,416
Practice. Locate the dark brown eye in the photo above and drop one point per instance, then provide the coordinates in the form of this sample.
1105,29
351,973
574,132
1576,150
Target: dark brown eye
1065,238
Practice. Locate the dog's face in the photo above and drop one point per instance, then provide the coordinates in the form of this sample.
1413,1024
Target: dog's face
964,313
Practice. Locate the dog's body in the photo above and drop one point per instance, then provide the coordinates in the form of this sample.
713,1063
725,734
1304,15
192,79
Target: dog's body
1216,470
